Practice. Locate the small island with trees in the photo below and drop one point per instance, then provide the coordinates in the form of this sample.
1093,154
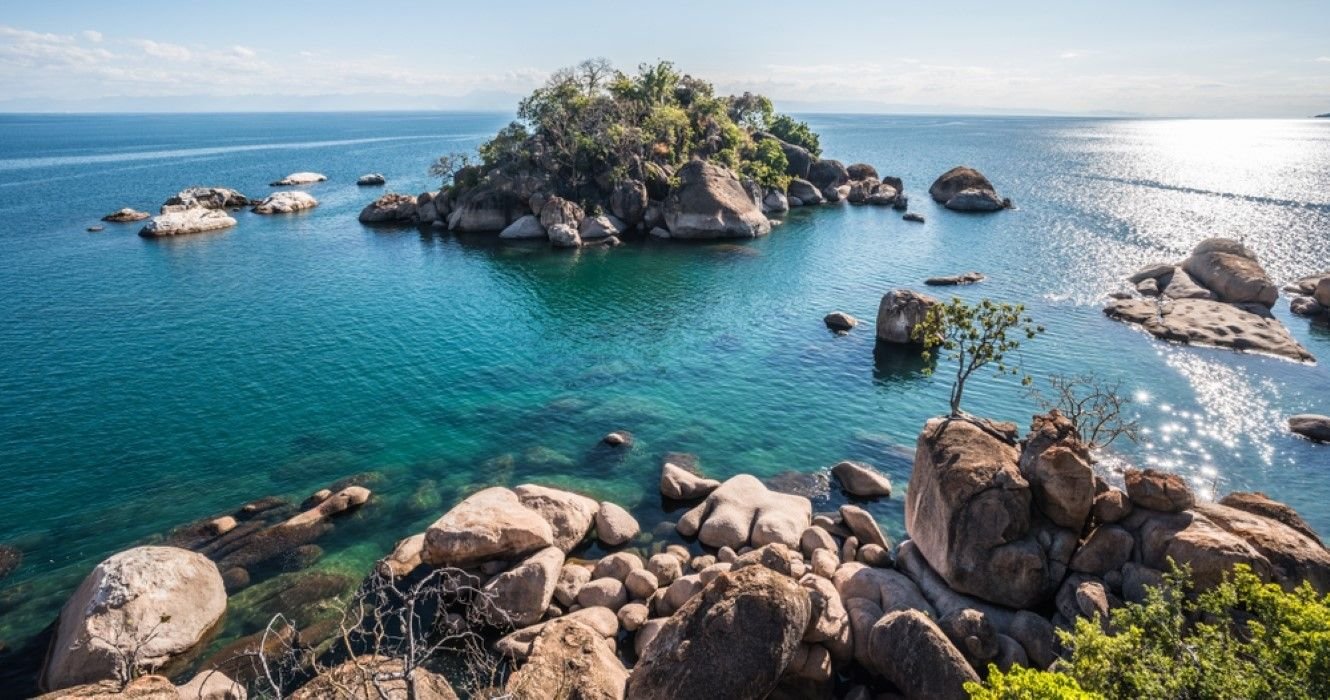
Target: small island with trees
596,154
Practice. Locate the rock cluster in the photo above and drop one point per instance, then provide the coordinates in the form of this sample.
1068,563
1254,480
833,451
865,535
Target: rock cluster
1218,296
965,189
1312,296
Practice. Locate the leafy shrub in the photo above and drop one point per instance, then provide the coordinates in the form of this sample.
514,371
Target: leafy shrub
791,130
1028,684
1241,639
974,336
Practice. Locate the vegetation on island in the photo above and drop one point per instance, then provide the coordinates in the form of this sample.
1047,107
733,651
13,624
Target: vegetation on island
1241,639
592,126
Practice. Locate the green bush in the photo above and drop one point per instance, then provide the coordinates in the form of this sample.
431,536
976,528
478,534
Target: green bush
1028,684
790,130
1241,639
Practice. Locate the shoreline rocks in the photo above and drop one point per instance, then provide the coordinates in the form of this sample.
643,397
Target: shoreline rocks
709,203
167,599
390,208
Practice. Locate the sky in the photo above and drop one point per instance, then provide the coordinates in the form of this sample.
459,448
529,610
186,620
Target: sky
1219,58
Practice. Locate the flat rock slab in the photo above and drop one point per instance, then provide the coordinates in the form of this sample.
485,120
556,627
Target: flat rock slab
1209,322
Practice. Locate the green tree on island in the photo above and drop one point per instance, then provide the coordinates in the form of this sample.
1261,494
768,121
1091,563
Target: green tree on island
974,336
590,127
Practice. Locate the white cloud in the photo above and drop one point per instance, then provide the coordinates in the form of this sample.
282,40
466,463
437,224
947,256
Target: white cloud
1323,59
1071,54
90,35
244,51
157,49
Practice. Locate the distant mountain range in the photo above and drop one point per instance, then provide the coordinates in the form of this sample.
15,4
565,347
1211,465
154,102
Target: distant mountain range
1323,116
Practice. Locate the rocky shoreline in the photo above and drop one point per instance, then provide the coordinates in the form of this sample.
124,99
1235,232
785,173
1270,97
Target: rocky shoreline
748,594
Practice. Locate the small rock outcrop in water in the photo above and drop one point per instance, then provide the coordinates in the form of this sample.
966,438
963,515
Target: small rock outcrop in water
170,597
952,280
899,312
186,221
126,215
966,189
286,202
371,180
303,178
1219,296
390,208
840,321
859,479
1311,426
205,198
1314,295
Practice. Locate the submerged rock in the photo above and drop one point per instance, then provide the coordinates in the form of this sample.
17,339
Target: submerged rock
167,599
286,202
187,221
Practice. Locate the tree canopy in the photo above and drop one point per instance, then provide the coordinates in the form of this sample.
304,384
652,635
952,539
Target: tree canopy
591,126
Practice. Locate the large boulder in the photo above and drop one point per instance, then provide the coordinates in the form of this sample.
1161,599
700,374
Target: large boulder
1157,490
570,515
165,601
911,651
679,484
862,480
899,312
861,171
629,201
521,594
1191,539
744,512
804,191
710,202
563,236
1260,504
1294,556
828,173
526,227
798,159
557,210
1232,272
487,209
375,678
186,221
967,509
489,524
957,180
569,660
286,202
1322,292
976,200
733,640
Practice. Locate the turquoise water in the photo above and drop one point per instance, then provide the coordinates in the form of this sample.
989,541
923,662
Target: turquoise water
144,384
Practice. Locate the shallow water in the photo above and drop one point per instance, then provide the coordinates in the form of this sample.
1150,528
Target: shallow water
144,384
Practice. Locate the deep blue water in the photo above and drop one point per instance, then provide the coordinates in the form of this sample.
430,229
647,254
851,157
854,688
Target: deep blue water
144,384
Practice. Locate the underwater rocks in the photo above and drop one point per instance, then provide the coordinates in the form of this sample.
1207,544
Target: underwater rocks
10,559
1218,296
168,599
186,221
966,189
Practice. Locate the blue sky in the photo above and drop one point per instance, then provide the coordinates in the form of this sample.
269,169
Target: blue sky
1220,58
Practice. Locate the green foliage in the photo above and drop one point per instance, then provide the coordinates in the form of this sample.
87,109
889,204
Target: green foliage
1241,639
1027,684
790,130
448,166
974,337
590,125
766,164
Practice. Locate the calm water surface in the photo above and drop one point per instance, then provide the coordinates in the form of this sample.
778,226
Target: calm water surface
144,384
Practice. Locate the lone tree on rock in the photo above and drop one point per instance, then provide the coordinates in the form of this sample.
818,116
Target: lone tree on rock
974,336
